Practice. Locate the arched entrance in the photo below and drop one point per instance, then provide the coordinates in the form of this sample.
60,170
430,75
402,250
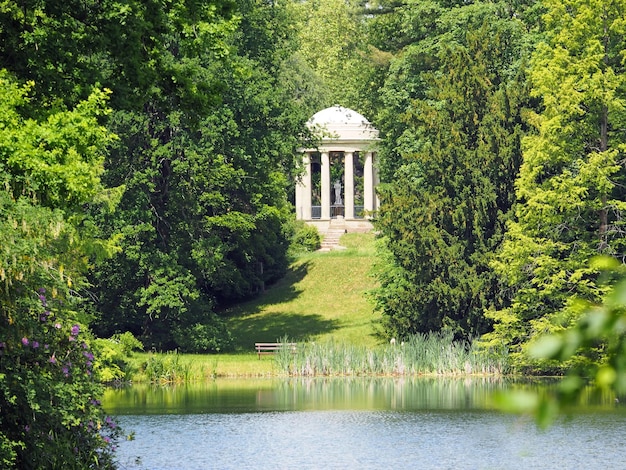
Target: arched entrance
339,177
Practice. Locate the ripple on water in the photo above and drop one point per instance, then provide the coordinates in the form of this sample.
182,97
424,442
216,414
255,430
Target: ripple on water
370,440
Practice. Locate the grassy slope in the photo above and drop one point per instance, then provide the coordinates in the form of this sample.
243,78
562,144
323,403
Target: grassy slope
321,298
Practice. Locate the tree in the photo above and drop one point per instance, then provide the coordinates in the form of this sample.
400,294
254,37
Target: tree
206,156
50,171
332,42
453,125
570,187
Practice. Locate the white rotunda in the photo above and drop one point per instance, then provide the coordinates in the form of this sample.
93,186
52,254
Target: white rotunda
339,176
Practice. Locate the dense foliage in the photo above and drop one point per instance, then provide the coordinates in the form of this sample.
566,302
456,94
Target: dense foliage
503,153
571,183
208,114
452,115
205,151
50,169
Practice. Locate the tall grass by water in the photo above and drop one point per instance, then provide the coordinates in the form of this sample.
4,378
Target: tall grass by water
165,368
176,368
422,354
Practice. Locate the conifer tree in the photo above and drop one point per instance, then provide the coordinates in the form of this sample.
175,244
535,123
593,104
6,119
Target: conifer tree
454,104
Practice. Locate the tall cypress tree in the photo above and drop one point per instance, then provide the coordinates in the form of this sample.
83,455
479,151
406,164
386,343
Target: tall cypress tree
451,168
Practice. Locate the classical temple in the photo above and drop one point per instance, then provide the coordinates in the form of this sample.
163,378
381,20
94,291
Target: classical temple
339,176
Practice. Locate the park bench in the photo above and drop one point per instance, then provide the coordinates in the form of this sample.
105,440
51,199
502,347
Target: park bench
271,348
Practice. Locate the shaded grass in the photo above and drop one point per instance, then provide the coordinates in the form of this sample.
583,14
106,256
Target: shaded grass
322,297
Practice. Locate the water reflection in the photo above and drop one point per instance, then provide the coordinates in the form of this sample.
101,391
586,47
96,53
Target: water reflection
364,423
252,395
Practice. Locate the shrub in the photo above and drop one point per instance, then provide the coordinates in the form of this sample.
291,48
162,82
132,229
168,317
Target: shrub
204,337
128,343
305,238
51,416
112,363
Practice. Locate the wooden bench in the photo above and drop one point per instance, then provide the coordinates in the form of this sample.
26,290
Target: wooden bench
272,348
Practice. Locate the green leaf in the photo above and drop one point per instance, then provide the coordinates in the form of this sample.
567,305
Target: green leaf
517,401
546,347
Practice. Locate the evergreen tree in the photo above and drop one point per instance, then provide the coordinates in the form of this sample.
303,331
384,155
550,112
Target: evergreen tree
453,127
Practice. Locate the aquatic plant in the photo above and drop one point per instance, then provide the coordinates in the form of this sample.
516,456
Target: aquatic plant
166,368
421,354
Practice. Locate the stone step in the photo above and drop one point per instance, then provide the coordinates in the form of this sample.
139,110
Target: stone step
330,240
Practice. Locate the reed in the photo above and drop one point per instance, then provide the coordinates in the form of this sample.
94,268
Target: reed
422,354
171,367
165,369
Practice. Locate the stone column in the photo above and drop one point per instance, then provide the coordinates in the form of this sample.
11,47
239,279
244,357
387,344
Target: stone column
368,183
306,188
300,192
325,186
349,185
376,181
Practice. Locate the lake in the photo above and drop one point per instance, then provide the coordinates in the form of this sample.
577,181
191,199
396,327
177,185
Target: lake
356,423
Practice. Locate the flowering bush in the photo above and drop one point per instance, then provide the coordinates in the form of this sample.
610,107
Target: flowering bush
50,415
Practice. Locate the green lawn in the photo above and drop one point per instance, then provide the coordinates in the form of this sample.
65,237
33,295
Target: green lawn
322,297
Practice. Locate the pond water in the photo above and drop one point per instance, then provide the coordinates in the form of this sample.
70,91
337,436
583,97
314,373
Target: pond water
356,424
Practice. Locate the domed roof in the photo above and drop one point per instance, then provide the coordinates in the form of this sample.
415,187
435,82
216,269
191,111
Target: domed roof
339,123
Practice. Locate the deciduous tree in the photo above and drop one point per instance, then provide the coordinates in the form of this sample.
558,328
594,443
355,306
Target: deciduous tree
571,181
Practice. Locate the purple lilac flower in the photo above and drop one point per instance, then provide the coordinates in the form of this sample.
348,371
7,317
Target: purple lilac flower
25,341
57,325
53,359
35,344
75,330
66,371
